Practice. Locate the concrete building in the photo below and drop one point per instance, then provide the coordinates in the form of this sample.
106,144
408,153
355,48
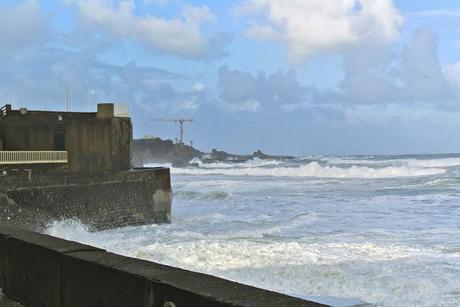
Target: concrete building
67,141
73,165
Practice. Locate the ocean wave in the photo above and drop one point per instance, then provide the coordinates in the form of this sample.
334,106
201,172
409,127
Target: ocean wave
252,163
359,161
314,169
341,269
410,162
243,254
212,195
70,229
445,162
337,269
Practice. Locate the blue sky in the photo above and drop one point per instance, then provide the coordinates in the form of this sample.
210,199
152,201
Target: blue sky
286,77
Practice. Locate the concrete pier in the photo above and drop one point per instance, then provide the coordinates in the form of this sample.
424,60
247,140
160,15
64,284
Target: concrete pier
100,200
40,270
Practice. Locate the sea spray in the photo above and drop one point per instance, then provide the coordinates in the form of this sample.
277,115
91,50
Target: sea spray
382,230
314,169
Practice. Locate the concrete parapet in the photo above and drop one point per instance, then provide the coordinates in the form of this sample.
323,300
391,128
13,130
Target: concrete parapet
40,270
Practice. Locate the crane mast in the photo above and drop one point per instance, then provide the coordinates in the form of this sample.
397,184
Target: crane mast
179,121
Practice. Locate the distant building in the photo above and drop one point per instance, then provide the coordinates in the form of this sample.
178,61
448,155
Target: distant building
52,141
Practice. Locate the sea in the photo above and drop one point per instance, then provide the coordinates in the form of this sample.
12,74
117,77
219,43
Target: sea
343,230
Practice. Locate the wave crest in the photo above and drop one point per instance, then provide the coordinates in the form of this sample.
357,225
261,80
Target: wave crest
251,163
314,169
213,195
411,162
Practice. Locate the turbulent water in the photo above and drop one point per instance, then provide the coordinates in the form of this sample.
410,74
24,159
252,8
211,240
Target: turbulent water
384,230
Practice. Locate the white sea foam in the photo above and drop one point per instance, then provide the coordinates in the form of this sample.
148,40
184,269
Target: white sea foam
350,160
410,162
252,163
445,162
226,255
69,229
211,195
386,274
396,246
314,169
371,272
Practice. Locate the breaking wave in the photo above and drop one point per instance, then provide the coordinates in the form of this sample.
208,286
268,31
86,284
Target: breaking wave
255,162
446,162
323,268
212,195
441,162
314,169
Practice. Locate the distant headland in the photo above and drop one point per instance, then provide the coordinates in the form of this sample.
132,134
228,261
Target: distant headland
157,150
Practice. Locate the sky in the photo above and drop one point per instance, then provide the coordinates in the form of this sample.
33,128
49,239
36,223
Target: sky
295,77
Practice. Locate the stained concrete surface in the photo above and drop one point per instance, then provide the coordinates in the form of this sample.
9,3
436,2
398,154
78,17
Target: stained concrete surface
40,270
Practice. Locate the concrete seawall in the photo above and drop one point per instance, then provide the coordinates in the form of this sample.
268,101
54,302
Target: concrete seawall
100,201
40,270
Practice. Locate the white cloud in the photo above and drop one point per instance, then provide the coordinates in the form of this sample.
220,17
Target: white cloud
243,91
156,2
250,105
452,74
199,87
375,75
308,27
262,32
30,75
182,36
189,104
21,25
421,72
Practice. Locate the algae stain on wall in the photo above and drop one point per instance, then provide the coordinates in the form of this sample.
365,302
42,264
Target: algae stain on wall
162,200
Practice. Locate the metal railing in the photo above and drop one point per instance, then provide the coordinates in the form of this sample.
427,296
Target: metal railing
33,157
5,109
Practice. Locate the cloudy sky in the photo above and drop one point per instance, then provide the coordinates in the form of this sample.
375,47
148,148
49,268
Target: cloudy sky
288,77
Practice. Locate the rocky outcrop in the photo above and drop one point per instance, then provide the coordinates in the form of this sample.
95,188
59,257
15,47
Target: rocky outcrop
218,155
157,150
259,154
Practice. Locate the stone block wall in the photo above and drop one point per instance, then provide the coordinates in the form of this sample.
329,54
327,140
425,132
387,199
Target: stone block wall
99,201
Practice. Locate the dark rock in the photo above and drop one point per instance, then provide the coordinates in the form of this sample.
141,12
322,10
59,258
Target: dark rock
157,150
259,154
162,151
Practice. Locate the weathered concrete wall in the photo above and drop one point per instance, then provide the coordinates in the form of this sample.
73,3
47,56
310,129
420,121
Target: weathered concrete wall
40,270
99,201
6,302
94,143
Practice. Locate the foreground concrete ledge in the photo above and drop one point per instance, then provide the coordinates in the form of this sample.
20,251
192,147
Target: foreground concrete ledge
41,270
20,178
